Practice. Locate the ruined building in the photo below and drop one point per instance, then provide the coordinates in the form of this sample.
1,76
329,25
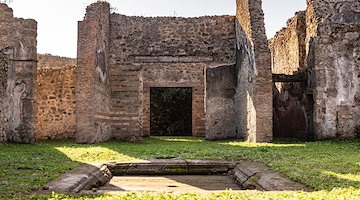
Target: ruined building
320,48
303,83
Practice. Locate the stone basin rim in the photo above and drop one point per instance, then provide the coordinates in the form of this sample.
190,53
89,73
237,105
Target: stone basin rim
249,175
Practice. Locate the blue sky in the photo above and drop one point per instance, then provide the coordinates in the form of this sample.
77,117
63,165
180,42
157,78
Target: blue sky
57,19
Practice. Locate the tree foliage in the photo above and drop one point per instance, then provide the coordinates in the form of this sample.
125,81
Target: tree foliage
170,110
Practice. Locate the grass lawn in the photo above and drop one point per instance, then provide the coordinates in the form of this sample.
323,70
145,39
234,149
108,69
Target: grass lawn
332,168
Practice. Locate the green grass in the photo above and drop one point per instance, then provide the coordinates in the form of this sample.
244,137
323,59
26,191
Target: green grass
332,168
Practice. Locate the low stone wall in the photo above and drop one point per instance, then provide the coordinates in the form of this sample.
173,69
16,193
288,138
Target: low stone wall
55,98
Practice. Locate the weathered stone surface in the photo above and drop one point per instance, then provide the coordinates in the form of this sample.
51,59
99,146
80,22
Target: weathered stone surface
246,174
4,106
55,97
255,175
93,100
172,36
336,73
254,73
145,53
174,166
171,167
327,105
209,166
83,177
168,184
18,38
220,103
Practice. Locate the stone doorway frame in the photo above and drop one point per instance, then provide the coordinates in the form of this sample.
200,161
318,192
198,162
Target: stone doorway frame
198,106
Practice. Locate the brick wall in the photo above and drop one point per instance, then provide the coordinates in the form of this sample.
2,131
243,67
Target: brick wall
254,96
19,37
175,52
163,52
93,102
55,97
176,75
126,90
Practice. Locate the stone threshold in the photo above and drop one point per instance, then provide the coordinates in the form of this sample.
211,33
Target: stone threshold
249,175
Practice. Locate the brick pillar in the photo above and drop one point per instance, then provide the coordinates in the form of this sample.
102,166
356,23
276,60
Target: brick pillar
92,92
259,116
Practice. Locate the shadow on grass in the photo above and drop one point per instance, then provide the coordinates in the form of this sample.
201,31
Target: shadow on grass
321,165
309,163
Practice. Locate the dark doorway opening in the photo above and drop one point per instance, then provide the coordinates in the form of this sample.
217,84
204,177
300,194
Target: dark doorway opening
171,111
292,107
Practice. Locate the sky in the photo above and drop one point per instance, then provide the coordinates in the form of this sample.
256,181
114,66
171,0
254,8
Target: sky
57,19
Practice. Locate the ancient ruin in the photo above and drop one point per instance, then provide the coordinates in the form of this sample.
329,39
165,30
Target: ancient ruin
17,77
303,83
320,49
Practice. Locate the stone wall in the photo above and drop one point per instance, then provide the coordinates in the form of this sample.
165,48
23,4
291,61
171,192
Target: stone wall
254,81
55,97
4,126
343,12
337,75
331,54
93,101
288,53
164,52
18,37
172,36
332,60
288,46
176,75
176,52
220,103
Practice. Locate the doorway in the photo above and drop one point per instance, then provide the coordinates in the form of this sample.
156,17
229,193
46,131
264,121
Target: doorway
171,111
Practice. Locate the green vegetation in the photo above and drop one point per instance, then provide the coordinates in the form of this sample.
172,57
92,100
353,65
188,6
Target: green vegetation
171,111
332,168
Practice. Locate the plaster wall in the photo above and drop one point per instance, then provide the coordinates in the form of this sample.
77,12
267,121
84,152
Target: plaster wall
18,47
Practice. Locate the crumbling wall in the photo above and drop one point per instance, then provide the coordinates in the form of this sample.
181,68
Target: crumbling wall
254,80
4,110
93,100
220,102
55,97
336,73
342,12
18,37
165,52
288,46
332,37
288,56
331,92
172,36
